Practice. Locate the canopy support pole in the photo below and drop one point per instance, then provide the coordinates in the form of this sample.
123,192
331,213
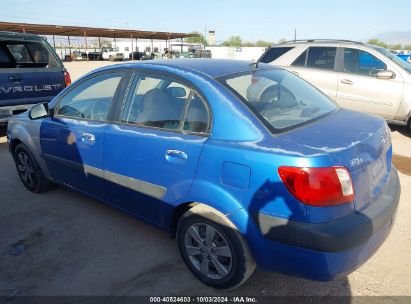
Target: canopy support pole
132,47
69,44
85,42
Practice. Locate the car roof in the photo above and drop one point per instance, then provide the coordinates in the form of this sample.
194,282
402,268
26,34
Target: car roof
323,42
14,35
211,67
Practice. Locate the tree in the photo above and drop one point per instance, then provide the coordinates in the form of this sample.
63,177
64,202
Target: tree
395,47
249,44
196,37
262,43
105,42
377,42
233,41
282,40
407,47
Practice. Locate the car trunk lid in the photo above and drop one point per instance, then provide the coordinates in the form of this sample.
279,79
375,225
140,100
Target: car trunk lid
356,141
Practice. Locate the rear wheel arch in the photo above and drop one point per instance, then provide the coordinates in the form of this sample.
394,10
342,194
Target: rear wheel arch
207,207
181,209
213,197
213,194
176,215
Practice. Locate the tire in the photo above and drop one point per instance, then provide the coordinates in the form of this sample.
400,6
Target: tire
111,58
29,170
224,261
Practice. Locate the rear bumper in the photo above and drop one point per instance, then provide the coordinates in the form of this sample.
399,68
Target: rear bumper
338,235
329,250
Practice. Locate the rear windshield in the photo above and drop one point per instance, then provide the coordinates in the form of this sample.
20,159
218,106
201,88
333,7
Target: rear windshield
281,99
25,54
274,53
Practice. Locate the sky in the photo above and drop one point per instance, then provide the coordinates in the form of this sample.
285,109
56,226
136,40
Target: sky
251,19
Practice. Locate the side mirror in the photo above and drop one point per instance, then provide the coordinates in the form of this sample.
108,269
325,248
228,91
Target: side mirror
40,110
385,75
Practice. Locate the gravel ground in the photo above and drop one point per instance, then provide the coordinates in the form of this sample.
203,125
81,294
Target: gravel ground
79,68
78,246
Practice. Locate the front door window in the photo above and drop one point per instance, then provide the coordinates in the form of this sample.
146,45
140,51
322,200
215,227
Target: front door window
90,100
362,63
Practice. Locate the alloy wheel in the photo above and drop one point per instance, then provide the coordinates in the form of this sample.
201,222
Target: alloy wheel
208,251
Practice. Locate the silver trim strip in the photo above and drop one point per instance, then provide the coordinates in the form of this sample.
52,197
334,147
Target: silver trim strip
94,171
146,188
135,184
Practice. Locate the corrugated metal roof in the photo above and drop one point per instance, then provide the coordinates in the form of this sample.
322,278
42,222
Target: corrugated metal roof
64,30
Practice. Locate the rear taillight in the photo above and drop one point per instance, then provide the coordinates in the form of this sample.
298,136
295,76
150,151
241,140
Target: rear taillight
67,78
319,186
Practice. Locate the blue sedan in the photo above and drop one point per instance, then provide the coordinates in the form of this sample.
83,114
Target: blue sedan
244,164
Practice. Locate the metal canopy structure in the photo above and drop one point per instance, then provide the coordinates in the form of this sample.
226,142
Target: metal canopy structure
80,31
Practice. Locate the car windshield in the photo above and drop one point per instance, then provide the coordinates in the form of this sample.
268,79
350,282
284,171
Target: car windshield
282,99
405,65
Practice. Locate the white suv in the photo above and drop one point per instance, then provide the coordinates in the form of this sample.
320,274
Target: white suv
358,76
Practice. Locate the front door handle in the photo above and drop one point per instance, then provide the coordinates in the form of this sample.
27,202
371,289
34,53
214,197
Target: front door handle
176,154
295,73
347,81
88,137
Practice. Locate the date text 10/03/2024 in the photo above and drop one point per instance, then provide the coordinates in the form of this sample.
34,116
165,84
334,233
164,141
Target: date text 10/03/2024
239,299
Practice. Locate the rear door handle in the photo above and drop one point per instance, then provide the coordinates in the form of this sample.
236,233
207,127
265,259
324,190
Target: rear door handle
176,154
15,79
88,138
347,81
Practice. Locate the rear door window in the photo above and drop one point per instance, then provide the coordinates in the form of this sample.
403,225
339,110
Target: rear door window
161,102
155,101
321,57
146,84
197,118
274,53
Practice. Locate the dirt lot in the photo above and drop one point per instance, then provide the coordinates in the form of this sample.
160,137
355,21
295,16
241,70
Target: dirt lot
78,246
79,68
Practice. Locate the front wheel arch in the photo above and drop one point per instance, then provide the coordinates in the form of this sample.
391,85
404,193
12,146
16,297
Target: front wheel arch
38,181
14,144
